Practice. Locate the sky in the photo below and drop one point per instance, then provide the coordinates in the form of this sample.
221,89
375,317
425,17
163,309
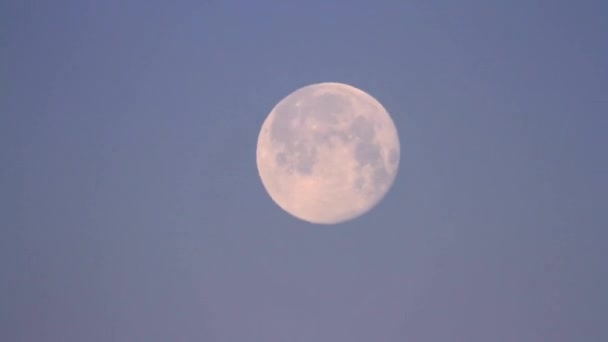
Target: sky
131,208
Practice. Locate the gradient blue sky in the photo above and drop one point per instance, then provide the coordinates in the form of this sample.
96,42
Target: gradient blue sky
131,208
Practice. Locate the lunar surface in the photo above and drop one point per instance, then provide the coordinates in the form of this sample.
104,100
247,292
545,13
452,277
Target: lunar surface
328,153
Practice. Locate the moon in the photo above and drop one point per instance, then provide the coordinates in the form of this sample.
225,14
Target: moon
328,153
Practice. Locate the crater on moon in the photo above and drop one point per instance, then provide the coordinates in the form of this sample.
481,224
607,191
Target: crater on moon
328,153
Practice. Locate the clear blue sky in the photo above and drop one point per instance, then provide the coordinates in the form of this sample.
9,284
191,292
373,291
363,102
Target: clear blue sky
131,208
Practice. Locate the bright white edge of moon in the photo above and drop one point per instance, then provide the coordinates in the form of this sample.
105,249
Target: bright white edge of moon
328,153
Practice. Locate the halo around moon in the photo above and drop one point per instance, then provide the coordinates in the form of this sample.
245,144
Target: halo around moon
328,153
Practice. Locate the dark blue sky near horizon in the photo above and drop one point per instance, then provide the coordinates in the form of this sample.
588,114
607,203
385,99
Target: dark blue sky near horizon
131,208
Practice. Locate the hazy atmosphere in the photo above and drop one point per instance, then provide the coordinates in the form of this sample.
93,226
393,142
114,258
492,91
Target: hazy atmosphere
131,208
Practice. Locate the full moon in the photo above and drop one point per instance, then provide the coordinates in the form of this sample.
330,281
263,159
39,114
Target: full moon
328,153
